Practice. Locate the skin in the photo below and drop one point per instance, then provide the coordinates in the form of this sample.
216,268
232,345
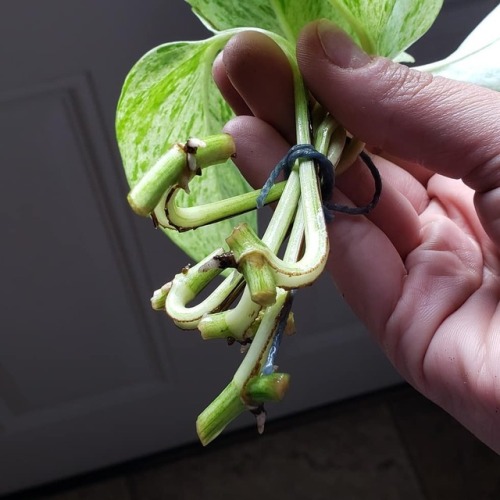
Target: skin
422,270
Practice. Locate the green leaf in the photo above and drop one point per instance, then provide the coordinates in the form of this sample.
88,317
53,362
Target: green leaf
391,26
383,27
476,60
283,17
168,97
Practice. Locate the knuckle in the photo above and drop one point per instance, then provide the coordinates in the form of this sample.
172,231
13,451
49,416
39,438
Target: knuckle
402,84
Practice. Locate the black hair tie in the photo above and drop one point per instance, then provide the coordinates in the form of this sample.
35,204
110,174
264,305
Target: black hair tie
326,172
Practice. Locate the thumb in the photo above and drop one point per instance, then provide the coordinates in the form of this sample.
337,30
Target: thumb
451,128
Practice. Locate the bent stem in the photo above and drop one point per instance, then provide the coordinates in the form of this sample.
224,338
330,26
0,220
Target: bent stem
180,160
249,250
188,284
183,218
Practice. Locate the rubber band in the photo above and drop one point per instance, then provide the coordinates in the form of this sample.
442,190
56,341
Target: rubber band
326,173
286,164
365,209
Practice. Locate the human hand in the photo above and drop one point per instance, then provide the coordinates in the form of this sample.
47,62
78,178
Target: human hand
422,270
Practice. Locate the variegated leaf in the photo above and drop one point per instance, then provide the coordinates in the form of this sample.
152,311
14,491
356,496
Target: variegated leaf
477,59
383,27
168,97
391,26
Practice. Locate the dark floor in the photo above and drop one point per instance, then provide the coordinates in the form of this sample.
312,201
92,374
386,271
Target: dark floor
391,445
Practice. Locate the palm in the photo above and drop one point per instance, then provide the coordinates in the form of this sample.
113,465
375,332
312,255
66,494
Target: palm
441,332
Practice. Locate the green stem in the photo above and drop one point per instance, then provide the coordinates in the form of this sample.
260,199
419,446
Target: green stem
267,387
250,255
260,279
230,403
169,169
257,352
159,297
186,286
336,147
236,323
349,155
223,409
182,218
282,20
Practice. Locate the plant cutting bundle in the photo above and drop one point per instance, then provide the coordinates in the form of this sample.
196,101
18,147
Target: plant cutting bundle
179,168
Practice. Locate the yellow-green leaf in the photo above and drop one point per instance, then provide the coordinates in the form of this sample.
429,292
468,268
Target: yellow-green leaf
383,27
168,97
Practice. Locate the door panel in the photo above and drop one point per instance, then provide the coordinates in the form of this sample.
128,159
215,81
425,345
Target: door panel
56,210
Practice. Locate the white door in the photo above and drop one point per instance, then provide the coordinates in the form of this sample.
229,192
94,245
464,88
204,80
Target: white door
89,375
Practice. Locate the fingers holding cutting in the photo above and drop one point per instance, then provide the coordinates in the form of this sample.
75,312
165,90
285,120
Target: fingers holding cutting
255,78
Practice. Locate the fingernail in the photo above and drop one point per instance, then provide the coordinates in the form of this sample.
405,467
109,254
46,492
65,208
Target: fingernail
339,47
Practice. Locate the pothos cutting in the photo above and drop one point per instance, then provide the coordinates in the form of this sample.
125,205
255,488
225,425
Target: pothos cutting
179,168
